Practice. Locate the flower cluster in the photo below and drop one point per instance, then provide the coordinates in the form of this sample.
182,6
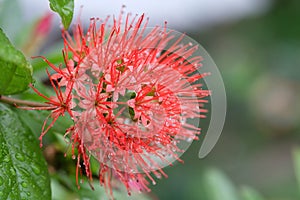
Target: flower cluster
133,94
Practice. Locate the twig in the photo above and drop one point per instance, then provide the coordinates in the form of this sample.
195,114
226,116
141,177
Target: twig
15,102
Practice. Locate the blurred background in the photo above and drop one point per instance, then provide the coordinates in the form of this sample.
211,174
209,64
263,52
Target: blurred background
256,45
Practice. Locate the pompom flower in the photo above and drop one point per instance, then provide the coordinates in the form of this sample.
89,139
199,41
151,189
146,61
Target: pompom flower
133,94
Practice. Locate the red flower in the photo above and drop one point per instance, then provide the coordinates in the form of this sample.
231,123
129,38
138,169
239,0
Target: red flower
131,95
59,104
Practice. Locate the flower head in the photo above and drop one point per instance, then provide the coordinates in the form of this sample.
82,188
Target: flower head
133,93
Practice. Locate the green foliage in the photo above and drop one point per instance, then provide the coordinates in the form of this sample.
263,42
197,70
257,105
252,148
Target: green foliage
23,170
249,193
296,155
64,187
16,72
65,9
85,192
214,184
218,186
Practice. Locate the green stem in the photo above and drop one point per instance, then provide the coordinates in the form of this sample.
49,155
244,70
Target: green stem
13,101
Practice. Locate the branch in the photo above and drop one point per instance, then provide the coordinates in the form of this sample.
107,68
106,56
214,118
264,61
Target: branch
15,102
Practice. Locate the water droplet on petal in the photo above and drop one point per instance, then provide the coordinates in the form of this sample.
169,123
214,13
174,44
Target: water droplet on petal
158,176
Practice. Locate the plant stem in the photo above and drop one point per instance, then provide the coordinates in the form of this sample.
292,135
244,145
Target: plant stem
13,101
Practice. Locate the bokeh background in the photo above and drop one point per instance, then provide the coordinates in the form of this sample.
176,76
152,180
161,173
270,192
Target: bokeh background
256,45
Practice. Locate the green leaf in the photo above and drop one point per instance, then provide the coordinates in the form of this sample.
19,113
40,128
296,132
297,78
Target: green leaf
296,155
65,187
120,193
16,72
23,170
34,119
218,186
250,194
65,9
